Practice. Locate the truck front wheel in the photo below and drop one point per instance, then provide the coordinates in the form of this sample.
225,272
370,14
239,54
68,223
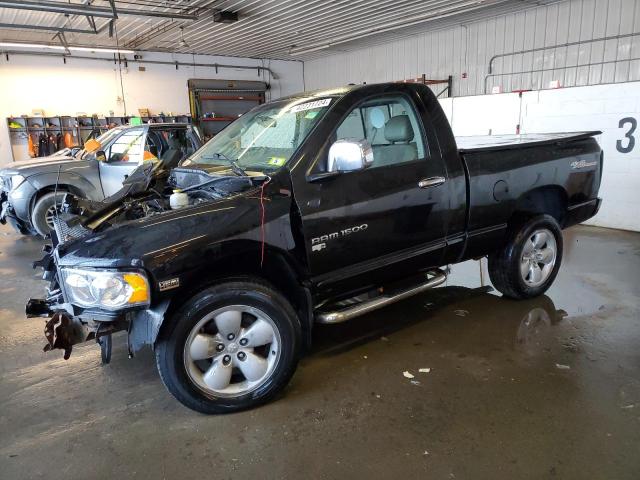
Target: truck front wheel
231,347
528,263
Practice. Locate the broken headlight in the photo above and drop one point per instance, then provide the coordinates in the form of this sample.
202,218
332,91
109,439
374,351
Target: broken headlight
107,289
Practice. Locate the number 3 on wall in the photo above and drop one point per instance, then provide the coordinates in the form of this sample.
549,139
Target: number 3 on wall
633,123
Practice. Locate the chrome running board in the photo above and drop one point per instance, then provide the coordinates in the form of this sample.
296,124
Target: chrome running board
438,277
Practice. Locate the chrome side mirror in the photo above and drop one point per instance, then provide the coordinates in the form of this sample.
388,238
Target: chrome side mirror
349,155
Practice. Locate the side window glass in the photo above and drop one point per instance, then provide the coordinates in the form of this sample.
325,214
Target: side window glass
127,148
352,126
391,125
154,146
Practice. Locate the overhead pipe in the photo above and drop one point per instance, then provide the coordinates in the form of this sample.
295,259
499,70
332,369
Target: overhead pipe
561,45
88,10
551,69
176,64
49,29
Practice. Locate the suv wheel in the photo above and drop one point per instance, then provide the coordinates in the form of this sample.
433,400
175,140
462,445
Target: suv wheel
44,212
529,262
231,347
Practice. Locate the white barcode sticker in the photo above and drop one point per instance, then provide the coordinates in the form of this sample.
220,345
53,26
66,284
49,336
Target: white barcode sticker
310,105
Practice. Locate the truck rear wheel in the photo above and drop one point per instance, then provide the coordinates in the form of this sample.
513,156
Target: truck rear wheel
528,263
231,347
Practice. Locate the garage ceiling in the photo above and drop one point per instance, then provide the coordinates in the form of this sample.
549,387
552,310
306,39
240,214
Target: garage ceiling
278,29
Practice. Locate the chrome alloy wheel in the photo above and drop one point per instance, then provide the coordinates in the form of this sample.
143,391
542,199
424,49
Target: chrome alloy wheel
538,257
232,351
50,215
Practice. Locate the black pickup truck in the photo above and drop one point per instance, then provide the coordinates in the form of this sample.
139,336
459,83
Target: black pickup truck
314,208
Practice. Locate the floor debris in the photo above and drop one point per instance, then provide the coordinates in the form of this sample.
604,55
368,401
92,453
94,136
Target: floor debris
461,313
384,339
559,366
415,382
408,374
424,370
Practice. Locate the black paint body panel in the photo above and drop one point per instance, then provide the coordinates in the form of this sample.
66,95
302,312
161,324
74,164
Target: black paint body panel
409,229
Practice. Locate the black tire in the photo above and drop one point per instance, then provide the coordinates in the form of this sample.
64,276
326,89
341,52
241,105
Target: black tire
106,346
505,264
40,209
170,346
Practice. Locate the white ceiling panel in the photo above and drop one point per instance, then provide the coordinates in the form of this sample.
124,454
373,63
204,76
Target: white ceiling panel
279,29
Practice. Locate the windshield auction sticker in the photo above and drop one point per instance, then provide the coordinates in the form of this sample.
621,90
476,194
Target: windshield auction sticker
310,105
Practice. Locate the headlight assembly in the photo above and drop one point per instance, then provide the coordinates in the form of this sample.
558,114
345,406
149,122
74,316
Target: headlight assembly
107,289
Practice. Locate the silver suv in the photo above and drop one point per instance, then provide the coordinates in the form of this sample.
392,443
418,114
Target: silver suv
30,191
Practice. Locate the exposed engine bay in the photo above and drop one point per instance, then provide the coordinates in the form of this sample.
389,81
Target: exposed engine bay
149,190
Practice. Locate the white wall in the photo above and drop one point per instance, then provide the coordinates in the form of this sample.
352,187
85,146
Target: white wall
603,95
468,49
29,82
600,107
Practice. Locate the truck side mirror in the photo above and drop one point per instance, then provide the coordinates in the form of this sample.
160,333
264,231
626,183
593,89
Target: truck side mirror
101,156
349,155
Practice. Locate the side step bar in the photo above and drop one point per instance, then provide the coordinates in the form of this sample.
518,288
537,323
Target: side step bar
438,277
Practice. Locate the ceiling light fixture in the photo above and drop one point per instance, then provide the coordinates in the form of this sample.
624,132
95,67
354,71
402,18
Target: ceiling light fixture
60,47
225,16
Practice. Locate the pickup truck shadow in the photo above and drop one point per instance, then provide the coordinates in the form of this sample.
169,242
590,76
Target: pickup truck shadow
523,322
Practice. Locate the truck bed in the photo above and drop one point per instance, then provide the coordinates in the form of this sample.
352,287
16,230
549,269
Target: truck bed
507,142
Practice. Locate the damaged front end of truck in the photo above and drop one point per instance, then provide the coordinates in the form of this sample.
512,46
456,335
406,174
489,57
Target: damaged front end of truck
90,299
85,305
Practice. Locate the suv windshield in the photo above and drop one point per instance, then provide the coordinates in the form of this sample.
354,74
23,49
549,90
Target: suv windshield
103,139
265,138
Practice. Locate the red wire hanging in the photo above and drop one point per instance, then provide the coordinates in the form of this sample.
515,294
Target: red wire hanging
262,221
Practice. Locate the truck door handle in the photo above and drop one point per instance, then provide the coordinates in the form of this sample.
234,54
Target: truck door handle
431,182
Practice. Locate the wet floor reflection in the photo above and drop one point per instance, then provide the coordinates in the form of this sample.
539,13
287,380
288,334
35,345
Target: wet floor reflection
526,324
515,389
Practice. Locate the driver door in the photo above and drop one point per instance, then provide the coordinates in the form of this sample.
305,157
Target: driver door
388,219
123,156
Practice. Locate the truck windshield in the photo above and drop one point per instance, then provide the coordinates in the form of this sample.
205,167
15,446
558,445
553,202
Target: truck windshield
265,138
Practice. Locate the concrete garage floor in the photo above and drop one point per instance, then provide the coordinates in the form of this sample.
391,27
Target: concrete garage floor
546,388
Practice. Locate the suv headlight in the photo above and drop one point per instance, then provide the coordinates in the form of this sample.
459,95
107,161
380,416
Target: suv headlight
107,289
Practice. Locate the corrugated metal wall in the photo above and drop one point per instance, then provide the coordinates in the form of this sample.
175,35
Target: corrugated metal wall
469,49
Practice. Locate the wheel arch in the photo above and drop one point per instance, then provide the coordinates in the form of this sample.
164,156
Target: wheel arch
279,270
548,200
62,187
